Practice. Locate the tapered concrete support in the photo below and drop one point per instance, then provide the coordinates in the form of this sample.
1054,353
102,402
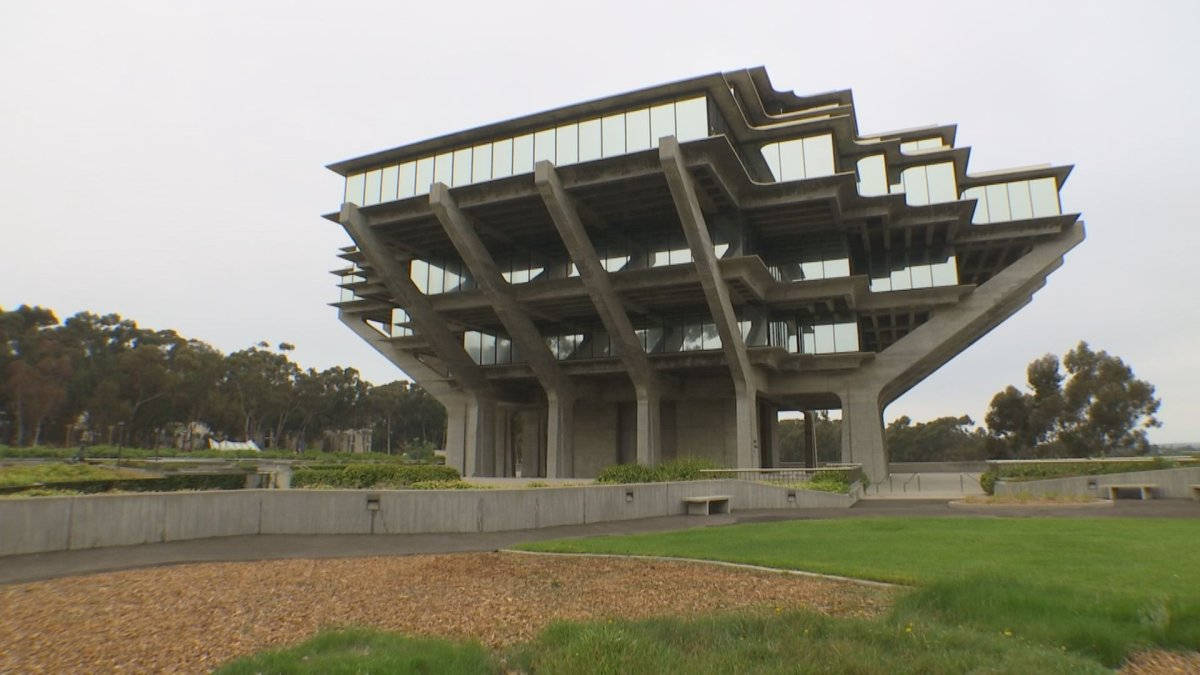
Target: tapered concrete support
716,294
481,436
649,427
862,432
560,432
456,434
810,439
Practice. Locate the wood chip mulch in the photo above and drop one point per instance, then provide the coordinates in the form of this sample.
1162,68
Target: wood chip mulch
1160,662
192,618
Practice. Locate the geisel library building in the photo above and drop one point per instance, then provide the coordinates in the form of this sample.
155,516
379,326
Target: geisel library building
660,273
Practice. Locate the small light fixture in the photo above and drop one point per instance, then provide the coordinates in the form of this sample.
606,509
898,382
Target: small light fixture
629,495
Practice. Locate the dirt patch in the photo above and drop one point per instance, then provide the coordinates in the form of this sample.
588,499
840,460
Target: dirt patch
1161,662
191,618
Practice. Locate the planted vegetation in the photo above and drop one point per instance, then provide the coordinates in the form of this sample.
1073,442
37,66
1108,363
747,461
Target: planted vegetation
685,468
360,476
1025,471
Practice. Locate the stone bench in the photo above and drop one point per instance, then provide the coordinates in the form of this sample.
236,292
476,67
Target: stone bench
1145,490
706,505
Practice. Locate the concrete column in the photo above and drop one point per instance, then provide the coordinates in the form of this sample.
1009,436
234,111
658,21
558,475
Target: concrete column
862,432
531,428
810,439
560,431
456,434
748,452
481,436
649,427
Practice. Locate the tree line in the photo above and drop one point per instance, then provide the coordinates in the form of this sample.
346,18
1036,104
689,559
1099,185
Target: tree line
1096,408
104,379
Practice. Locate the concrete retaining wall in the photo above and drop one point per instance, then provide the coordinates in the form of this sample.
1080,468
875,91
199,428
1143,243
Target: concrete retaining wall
1172,483
937,467
39,524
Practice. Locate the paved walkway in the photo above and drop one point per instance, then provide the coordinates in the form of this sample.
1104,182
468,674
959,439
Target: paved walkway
36,566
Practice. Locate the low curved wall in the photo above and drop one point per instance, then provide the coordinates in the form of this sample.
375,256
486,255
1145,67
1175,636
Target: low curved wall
40,524
1172,483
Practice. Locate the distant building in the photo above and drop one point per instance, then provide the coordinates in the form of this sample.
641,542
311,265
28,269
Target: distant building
660,273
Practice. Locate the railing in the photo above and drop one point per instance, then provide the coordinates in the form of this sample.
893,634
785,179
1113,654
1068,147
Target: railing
783,476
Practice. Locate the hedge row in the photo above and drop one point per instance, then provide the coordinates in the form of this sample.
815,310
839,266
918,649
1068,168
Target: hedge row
1043,470
687,468
112,451
172,483
360,476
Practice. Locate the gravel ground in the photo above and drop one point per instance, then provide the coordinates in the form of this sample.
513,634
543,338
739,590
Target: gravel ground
191,618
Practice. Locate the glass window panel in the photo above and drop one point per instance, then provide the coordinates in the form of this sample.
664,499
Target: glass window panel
916,190
998,203
901,279
424,175
979,194
522,154
823,341
419,273
566,139
437,280
503,350
930,143
838,267
502,158
711,339
945,273
879,285
719,250
691,119
387,191
406,180
942,187
543,146
662,122
1044,194
770,152
818,156
791,160
637,130
908,147
453,278
613,129
589,140
808,340
813,269
845,337
872,176
693,338
462,167
660,258
472,340
922,276
443,168
372,193
354,189
1019,202
487,349
481,163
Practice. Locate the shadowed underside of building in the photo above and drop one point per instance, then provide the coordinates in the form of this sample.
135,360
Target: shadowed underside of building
658,274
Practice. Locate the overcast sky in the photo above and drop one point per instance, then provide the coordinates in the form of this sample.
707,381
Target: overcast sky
164,159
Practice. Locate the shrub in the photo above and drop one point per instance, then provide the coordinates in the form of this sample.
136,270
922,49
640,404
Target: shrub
359,476
170,483
444,485
684,468
1024,471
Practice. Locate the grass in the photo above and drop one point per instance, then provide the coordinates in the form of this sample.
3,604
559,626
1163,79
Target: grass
726,643
1100,588
30,474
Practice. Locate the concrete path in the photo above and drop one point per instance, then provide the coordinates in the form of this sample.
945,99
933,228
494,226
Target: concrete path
36,566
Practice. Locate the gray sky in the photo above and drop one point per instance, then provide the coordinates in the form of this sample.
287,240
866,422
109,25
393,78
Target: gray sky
164,159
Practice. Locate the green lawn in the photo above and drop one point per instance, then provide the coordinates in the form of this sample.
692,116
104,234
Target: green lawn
1100,588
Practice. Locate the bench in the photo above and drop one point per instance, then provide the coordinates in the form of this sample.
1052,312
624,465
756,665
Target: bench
1145,490
1196,492
706,505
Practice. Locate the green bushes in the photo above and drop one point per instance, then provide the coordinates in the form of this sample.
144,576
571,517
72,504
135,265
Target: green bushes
112,451
684,468
358,476
1023,471
172,483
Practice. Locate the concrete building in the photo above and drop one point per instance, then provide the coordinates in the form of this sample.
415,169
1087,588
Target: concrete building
658,274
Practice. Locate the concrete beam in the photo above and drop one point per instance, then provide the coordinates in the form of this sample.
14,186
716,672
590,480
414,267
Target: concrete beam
565,214
560,393
430,325
716,293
